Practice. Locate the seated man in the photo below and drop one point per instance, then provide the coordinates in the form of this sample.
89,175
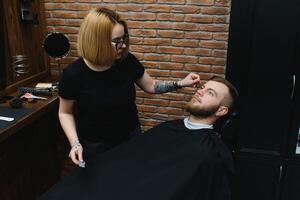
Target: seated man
179,159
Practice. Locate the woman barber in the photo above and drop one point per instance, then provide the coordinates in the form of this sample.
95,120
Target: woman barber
97,107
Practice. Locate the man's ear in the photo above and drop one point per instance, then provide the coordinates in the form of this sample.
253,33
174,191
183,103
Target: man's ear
223,110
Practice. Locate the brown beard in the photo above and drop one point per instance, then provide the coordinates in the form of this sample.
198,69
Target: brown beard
200,111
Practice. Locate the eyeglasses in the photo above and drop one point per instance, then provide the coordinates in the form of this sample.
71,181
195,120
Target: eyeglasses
118,42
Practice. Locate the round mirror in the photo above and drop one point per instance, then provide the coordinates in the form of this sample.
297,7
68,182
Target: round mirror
56,45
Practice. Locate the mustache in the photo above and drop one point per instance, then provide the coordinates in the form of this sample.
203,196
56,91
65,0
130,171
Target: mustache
197,98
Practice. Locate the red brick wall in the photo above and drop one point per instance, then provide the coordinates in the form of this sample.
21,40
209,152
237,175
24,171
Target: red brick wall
170,37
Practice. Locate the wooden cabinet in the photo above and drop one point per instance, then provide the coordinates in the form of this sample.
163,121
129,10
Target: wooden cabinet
21,42
29,159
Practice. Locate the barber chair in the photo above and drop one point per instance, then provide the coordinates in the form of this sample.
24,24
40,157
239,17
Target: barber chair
227,128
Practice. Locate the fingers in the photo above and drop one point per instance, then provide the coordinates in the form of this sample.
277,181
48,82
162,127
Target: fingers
76,155
73,157
80,155
191,80
195,78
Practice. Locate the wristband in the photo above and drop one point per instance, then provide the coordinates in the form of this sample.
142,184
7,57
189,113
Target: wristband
76,145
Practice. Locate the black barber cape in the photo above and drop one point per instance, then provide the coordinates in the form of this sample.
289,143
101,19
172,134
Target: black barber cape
168,162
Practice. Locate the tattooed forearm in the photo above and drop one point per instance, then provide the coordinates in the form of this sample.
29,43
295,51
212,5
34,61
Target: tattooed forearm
165,86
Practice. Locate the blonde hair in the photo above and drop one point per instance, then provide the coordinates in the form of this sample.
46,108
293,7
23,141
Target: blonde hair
94,39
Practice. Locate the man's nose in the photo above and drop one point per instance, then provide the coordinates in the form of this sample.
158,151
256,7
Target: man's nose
200,92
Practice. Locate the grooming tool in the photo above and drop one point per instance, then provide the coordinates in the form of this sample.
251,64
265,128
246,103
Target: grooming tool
31,96
81,164
8,119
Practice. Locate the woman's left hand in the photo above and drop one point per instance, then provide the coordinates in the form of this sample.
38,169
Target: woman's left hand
191,80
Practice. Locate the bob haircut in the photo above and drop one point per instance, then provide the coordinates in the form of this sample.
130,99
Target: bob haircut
95,36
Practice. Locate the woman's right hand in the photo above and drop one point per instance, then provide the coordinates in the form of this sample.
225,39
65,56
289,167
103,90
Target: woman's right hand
76,153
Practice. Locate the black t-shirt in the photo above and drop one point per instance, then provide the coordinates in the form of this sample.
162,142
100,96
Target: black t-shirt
105,101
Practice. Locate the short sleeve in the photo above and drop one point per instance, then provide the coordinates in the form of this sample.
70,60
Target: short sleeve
67,85
137,66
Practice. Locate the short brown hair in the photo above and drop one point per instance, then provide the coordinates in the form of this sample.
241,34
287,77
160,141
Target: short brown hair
94,39
233,93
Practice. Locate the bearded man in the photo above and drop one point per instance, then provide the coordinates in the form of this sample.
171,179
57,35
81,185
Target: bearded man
176,160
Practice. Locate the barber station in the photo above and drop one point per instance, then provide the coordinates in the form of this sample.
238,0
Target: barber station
149,100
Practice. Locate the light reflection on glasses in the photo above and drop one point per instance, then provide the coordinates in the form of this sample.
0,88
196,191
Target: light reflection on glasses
118,42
